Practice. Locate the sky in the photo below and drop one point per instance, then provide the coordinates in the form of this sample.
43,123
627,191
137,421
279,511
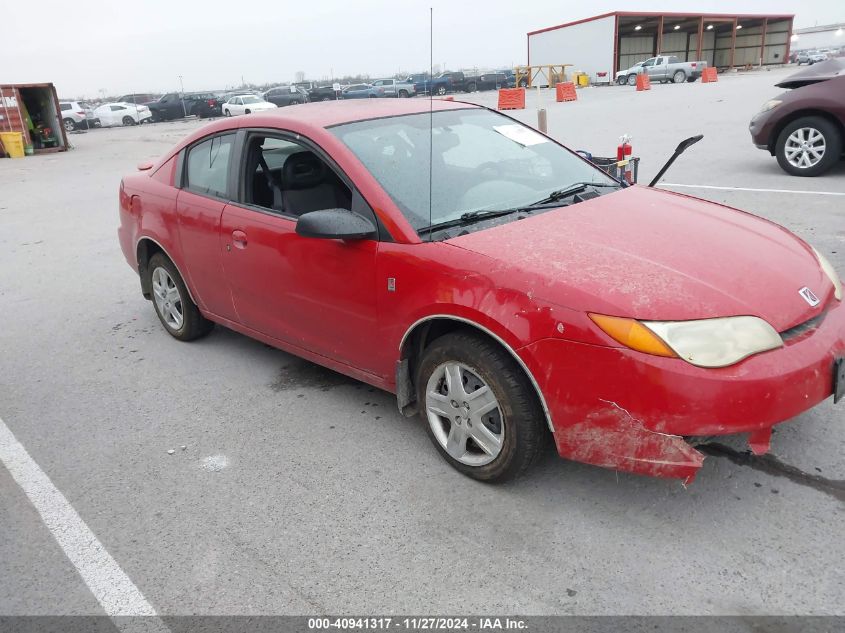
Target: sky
119,46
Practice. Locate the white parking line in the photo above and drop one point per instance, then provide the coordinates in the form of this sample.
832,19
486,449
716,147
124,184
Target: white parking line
112,588
812,193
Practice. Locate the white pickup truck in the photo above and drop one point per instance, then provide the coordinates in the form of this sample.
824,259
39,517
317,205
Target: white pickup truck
662,68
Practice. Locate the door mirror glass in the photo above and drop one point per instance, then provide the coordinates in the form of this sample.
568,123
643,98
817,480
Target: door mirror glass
335,224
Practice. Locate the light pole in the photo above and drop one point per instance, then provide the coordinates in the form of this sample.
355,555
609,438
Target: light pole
182,96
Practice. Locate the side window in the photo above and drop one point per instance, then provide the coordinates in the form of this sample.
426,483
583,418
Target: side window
208,165
649,62
288,178
65,106
115,108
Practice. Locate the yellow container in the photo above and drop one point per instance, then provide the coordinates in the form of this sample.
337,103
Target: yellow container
583,79
12,143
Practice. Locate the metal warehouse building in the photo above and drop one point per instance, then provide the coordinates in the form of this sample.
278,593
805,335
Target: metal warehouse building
615,41
826,36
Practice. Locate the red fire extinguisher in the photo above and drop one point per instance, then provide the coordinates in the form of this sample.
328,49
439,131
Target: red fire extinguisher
623,158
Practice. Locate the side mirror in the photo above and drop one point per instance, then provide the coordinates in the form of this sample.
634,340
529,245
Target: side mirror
335,224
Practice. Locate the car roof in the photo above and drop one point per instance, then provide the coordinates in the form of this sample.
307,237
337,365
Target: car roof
816,73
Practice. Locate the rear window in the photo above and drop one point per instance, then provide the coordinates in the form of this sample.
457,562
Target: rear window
208,165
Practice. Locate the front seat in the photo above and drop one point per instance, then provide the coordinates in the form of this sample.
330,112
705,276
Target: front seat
304,186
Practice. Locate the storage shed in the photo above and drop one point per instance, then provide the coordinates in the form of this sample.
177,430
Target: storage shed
616,41
33,109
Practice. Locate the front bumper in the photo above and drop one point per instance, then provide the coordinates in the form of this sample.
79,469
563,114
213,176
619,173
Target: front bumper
622,409
760,127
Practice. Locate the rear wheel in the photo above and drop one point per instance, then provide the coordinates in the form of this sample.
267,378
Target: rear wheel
128,120
246,111
808,146
632,80
441,90
679,77
403,94
620,81
177,313
471,86
479,407
70,124
227,112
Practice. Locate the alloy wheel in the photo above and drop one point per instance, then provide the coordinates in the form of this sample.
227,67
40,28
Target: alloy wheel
805,147
167,299
464,414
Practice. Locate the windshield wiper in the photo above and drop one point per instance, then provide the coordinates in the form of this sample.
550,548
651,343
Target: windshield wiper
571,190
470,217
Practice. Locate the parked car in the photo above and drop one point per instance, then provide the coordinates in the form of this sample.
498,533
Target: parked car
246,104
489,81
441,84
111,114
141,98
175,106
663,69
515,306
395,88
73,115
286,95
804,128
810,57
361,91
317,92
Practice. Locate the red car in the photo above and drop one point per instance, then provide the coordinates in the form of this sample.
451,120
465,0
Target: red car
503,287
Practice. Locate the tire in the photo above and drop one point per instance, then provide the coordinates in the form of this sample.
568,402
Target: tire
441,90
128,120
247,112
472,87
518,416
227,112
70,124
326,99
631,80
193,324
621,81
403,94
817,132
523,83
679,77
691,79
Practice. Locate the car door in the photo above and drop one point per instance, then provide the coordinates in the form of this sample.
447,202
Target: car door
204,184
316,294
648,66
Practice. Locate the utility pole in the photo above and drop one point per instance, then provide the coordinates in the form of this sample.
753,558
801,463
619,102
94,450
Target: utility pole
182,96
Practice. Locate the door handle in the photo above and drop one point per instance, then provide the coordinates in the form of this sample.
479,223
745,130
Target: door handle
239,239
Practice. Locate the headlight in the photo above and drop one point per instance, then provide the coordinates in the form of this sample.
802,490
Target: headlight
705,343
828,270
770,105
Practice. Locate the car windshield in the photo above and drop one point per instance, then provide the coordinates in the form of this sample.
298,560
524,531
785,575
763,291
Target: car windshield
249,99
480,161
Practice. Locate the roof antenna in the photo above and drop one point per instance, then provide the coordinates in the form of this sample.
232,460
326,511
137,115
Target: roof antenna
430,114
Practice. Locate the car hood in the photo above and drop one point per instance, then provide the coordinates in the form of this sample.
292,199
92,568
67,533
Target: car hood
655,255
821,71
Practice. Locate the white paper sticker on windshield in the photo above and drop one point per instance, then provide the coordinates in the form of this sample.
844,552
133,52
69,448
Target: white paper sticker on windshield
520,134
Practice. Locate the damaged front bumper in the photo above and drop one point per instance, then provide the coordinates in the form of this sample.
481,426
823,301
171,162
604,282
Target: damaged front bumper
622,409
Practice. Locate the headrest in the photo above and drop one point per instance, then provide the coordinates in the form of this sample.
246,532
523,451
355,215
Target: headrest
303,170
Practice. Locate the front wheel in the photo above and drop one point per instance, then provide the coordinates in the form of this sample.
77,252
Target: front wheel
227,112
479,407
471,87
441,90
808,146
679,77
620,81
631,80
177,312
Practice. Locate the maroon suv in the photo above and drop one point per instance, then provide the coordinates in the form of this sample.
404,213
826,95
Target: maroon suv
805,127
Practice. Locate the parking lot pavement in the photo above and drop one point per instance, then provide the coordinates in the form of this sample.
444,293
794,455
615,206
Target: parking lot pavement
301,491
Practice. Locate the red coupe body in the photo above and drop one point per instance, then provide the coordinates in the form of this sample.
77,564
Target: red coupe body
360,306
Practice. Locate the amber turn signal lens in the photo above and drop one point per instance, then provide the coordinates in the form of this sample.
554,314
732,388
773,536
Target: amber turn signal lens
633,334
